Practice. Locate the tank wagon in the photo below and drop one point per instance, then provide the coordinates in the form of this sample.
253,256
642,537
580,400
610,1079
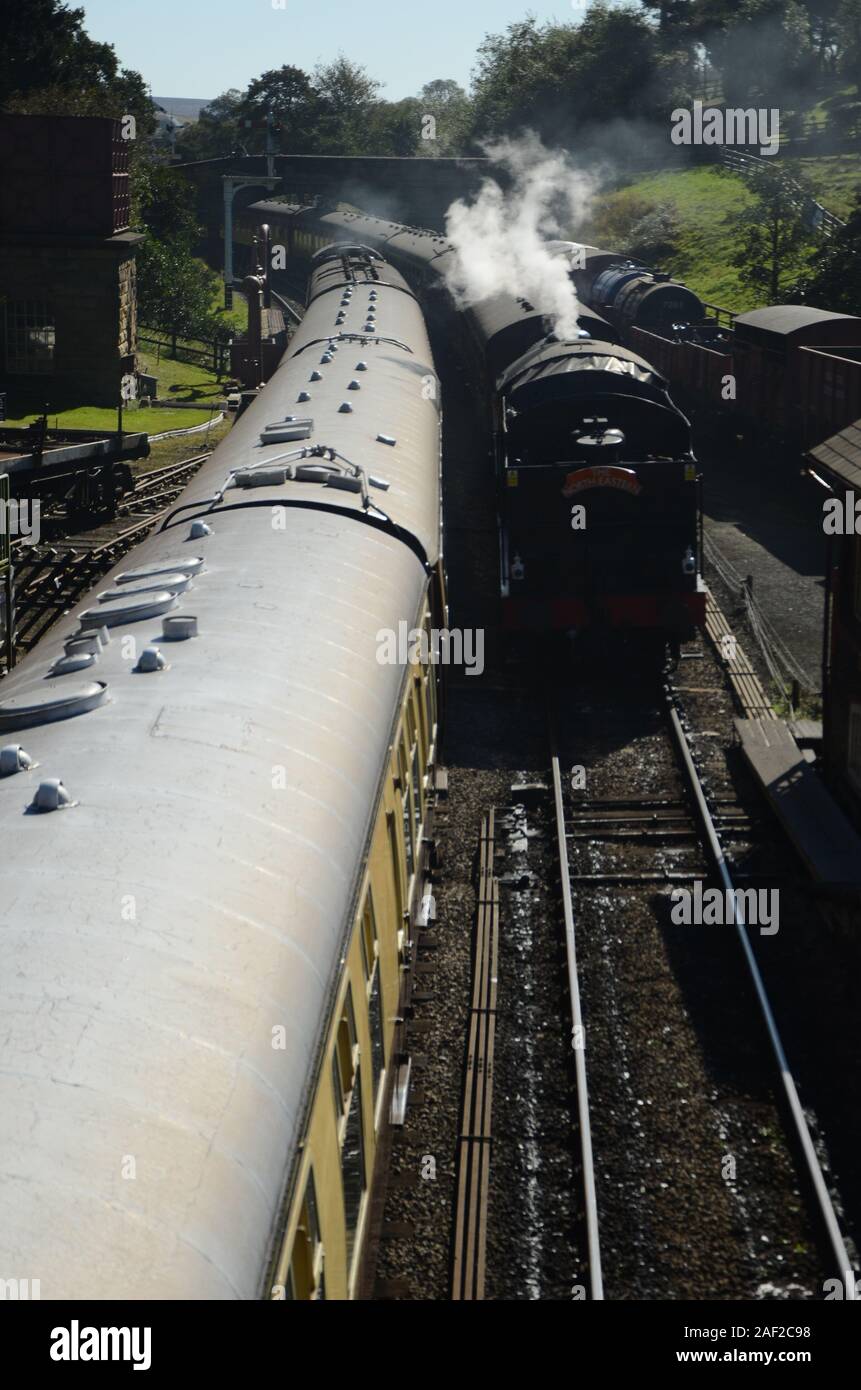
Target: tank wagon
785,372
215,794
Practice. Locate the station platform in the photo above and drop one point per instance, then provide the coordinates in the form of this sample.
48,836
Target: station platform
823,837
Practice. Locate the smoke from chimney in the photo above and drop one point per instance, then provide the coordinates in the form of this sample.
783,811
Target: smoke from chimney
501,238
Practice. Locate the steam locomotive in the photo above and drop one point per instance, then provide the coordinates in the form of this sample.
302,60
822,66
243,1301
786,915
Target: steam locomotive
598,492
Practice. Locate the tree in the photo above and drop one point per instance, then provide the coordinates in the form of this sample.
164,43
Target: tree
763,50
774,232
562,80
287,94
176,291
165,205
394,128
675,18
215,133
849,26
452,111
652,238
50,66
835,271
346,95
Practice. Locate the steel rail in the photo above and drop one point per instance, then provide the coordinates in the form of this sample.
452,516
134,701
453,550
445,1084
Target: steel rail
814,1169
578,1041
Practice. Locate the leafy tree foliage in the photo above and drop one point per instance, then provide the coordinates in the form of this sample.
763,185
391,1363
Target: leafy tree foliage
165,204
215,134
834,280
335,111
563,79
764,52
773,234
176,290
50,66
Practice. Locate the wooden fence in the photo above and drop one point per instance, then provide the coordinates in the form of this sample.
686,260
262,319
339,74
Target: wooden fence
212,355
819,218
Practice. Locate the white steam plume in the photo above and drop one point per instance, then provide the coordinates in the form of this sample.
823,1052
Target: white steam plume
501,238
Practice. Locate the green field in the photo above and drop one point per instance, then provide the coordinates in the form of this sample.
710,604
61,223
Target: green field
167,451
147,421
704,200
180,381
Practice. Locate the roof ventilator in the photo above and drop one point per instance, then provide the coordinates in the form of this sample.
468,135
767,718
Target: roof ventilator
151,659
131,607
259,477
13,758
179,628
52,701
190,566
77,661
334,470
198,530
177,583
51,796
281,431
79,645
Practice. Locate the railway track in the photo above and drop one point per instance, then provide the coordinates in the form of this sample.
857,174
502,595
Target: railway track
824,1213
668,1154
646,844
52,575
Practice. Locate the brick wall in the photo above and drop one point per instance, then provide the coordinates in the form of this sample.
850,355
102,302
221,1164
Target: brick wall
89,287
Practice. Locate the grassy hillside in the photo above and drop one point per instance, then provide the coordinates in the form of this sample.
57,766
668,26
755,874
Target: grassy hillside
703,199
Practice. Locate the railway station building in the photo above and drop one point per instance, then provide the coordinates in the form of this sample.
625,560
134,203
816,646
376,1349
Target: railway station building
68,332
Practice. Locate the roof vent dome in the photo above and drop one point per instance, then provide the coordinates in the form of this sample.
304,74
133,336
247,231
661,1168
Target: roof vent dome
13,758
151,659
51,796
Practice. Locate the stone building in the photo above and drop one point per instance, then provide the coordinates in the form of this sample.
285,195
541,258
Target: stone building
68,311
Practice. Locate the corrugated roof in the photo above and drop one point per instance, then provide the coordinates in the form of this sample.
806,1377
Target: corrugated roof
786,318
841,455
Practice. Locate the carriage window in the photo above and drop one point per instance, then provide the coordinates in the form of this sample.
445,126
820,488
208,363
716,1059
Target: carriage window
305,1279
397,877
344,1058
353,1166
406,810
370,958
430,687
417,791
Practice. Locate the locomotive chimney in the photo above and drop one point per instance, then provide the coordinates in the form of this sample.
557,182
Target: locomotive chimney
597,443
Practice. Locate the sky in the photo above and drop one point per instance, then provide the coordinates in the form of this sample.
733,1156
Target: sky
200,48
